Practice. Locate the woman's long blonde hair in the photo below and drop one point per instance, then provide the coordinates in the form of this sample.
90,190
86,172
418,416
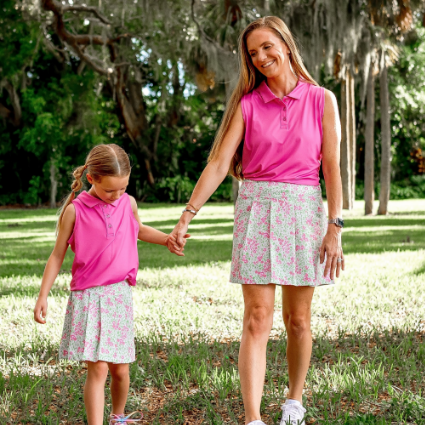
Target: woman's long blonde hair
102,161
250,78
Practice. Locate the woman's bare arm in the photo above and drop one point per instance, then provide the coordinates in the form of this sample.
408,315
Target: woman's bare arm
331,245
213,174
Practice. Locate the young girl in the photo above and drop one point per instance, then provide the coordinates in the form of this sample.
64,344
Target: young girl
102,227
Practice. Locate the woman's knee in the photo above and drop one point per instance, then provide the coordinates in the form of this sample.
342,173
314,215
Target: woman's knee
297,325
98,370
119,372
259,321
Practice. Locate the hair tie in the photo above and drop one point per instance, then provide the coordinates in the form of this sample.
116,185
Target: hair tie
85,166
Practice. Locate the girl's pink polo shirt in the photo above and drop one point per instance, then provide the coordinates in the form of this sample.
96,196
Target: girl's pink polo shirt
104,241
283,137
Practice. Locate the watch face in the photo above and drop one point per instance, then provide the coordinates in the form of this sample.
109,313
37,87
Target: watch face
340,222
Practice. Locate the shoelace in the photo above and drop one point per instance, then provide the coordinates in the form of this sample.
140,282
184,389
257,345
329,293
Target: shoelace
292,414
121,419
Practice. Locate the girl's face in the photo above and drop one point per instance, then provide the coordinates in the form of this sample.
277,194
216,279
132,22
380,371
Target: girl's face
269,54
108,188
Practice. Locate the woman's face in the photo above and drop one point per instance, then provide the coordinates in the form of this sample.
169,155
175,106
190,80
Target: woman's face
269,54
108,188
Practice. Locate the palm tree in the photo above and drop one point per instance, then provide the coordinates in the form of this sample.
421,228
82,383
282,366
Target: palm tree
385,176
369,175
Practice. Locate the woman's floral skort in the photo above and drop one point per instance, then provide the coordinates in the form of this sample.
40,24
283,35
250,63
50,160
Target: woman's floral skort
278,231
99,325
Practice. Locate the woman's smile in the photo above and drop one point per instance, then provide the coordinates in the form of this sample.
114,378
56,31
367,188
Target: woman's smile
266,65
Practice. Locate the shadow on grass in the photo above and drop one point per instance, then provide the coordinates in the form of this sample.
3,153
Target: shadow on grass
26,255
372,378
420,270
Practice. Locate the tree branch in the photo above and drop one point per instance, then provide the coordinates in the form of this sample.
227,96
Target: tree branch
88,9
203,33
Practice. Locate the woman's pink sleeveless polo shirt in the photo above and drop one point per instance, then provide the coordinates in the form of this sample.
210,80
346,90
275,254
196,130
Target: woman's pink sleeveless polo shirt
283,138
104,241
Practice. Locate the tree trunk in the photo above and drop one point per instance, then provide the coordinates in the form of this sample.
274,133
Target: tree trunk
236,184
345,147
53,184
369,173
353,138
348,141
385,177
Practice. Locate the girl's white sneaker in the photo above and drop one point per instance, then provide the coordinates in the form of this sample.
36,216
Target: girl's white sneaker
257,422
293,414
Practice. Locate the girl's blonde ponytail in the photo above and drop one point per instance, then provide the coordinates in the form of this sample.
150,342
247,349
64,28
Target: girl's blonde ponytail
76,186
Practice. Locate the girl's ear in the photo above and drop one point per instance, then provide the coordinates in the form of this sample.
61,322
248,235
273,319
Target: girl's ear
89,178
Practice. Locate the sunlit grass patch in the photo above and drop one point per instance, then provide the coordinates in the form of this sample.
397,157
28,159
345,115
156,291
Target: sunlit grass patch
369,329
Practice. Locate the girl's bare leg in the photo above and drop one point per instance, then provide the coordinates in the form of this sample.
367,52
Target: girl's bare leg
94,392
296,305
120,383
257,324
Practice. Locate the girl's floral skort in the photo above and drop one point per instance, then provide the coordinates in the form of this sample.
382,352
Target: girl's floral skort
99,325
278,231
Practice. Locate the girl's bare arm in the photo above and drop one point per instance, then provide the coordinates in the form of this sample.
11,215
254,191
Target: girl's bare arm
151,235
54,263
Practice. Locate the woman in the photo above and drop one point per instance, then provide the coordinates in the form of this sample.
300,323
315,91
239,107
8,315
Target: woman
288,125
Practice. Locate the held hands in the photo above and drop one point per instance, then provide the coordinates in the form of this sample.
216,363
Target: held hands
331,246
172,245
40,311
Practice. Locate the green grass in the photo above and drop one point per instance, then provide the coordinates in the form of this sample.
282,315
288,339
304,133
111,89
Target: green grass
368,358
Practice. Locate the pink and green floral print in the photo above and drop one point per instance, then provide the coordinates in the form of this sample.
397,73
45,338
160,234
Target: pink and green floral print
278,231
99,325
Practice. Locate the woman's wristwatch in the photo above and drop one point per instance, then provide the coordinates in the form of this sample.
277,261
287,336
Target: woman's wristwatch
337,221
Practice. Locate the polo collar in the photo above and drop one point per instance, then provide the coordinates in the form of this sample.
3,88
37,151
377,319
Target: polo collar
90,201
267,95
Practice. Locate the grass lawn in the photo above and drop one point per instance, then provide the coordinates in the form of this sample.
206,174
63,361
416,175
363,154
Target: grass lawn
368,363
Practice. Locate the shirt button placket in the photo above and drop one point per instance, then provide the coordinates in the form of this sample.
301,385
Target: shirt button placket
109,225
284,117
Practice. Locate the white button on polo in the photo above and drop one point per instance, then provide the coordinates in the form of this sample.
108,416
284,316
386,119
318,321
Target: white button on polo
109,225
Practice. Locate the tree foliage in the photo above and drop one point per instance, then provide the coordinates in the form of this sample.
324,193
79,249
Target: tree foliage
153,76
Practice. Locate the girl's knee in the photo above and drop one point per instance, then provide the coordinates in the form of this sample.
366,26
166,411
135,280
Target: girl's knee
97,370
119,372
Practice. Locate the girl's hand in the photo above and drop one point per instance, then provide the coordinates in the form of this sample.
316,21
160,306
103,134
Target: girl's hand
331,246
173,247
40,310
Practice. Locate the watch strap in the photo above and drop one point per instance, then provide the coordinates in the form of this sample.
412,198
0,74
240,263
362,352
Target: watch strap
337,221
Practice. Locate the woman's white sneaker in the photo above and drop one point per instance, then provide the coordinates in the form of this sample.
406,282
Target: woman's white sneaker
257,422
293,414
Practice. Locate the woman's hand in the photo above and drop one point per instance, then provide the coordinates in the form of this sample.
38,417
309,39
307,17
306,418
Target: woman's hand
332,248
40,310
179,233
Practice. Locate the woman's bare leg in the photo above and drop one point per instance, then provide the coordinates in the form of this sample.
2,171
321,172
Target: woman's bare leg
120,383
296,304
257,324
94,391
